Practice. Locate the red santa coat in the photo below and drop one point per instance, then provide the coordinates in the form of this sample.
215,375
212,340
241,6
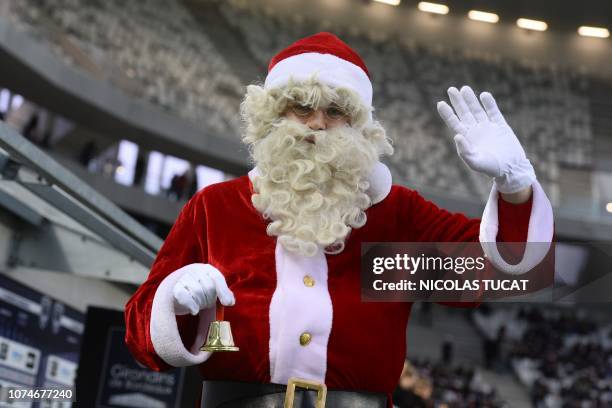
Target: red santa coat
355,345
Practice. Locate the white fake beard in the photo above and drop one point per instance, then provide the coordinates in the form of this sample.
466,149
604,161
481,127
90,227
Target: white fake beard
314,194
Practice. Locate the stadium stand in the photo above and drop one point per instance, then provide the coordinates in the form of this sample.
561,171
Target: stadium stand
153,47
424,383
562,355
171,63
548,106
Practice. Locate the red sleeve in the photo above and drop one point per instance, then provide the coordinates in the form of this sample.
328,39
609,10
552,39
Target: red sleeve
513,220
433,224
185,244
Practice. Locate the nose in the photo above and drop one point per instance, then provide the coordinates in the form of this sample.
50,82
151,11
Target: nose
317,120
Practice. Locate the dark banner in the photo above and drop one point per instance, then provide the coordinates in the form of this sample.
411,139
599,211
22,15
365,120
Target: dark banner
110,377
124,383
39,342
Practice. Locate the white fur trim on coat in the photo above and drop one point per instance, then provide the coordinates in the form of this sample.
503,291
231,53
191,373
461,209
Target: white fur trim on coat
164,332
540,232
329,69
296,309
380,183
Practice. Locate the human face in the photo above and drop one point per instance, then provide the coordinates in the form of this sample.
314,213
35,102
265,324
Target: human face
329,117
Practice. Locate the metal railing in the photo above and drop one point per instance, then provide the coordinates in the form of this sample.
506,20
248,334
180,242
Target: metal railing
62,189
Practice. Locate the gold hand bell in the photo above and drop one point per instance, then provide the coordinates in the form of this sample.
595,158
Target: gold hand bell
219,334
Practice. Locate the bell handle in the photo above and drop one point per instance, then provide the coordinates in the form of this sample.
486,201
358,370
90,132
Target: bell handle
220,312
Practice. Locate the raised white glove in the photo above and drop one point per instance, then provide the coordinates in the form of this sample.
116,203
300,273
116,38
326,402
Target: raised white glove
484,140
198,289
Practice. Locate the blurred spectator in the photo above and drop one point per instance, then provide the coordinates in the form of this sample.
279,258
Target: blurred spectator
447,350
405,395
45,142
30,129
424,390
426,315
423,384
178,186
88,152
193,182
110,166
139,170
492,349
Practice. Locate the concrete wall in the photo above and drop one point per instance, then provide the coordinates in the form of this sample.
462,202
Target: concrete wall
73,290
76,291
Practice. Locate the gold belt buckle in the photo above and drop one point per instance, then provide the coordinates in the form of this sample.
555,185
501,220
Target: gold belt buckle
294,382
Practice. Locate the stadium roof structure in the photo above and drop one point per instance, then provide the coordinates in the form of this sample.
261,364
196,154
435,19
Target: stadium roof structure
561,14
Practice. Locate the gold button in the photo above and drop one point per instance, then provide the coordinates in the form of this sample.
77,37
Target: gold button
308,281
305,338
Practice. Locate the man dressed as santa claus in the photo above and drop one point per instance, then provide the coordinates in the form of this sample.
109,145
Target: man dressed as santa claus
280,247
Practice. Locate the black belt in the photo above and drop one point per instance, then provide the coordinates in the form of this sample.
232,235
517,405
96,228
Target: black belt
232,394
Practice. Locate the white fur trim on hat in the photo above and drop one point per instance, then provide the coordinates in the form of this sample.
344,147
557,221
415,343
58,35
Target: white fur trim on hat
329,69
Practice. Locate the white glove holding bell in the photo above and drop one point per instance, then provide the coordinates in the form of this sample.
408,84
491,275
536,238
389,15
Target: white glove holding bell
199,288
484,140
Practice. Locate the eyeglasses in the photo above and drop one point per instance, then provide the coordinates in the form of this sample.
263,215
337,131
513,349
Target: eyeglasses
332,112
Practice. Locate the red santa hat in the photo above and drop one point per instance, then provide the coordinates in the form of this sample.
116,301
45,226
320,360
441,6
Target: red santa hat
326,57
